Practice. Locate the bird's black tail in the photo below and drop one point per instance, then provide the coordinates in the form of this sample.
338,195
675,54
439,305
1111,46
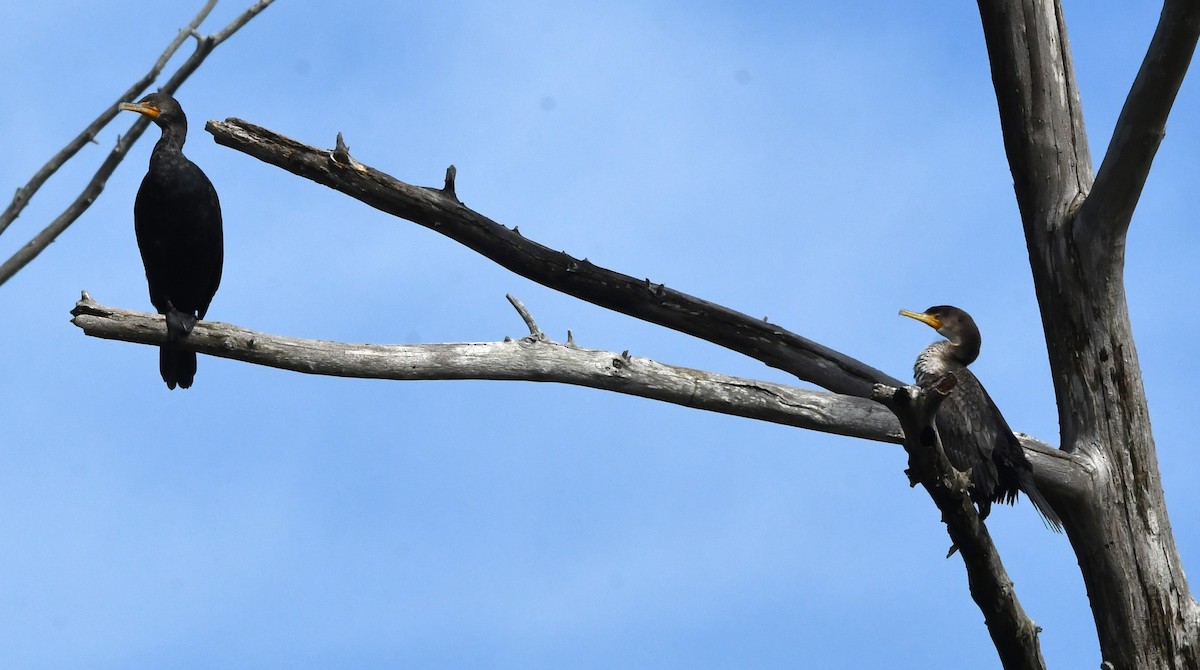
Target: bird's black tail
178,368
1049,516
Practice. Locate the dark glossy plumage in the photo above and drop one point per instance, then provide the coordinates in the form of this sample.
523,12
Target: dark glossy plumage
177,218
974,433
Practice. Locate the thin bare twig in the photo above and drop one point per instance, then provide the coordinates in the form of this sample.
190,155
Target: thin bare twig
534,331
40,241
89,133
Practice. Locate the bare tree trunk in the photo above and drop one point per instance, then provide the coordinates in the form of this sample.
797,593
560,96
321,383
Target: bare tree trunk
1075,230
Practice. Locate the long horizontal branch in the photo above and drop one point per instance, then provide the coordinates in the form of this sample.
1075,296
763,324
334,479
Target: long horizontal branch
1143,121
538,359
39,242
528,359
441,211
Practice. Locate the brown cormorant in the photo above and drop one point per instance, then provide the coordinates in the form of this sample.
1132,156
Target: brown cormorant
974,433
177,218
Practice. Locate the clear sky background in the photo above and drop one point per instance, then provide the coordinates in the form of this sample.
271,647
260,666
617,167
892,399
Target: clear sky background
822,164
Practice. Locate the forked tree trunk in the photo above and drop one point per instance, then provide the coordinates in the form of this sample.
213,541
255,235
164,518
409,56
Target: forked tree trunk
1075,230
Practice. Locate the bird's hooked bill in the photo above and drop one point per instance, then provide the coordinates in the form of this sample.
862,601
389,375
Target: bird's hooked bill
927,319
141,108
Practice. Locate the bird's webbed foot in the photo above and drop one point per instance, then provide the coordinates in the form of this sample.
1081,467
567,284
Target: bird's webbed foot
179,324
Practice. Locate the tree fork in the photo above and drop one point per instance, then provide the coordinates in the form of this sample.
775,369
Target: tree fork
1075,230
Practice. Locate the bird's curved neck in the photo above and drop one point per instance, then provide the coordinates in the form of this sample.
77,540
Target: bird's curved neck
962,350
173,137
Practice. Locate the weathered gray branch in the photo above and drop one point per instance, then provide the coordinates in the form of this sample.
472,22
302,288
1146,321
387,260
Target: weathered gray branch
439,210
1013,632
204,46
1142,124
777,403
527,359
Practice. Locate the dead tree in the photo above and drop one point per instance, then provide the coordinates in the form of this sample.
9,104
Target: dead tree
1103,479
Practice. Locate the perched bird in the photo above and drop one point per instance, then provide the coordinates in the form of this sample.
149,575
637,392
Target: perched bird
177,218
974,433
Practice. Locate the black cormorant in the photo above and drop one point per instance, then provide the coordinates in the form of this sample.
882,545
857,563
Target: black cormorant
177,218
974,433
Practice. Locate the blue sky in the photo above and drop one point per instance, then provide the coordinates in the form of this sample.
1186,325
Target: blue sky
823,164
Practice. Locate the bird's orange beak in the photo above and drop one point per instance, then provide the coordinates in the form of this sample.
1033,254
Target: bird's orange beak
927,319
141,108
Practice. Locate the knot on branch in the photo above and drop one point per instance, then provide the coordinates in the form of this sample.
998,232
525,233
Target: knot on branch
86,305
448,189
341,156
